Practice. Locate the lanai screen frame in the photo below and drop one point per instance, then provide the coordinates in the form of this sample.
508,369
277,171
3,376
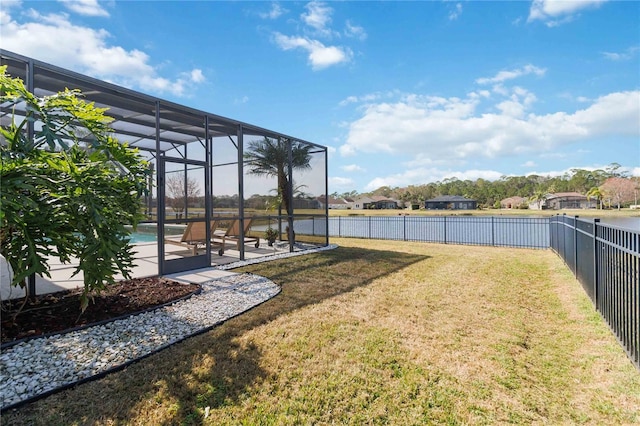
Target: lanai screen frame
138,121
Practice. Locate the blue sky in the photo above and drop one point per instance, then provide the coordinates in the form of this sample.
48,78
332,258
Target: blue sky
402,93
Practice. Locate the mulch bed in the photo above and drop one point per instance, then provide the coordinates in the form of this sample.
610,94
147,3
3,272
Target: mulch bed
60,311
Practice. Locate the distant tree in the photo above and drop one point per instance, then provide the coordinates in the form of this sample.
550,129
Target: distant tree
350,194
614,170
583,180
181,191
384,191
618,190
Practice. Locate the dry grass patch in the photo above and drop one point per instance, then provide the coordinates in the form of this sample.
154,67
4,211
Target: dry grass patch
383,333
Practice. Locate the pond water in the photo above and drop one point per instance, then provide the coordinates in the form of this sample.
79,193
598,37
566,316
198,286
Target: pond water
480,230
515,231
632,223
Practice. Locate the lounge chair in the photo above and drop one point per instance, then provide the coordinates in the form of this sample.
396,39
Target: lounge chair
194,235
232,233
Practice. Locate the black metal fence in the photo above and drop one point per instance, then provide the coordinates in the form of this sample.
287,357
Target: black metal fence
606,261
501,231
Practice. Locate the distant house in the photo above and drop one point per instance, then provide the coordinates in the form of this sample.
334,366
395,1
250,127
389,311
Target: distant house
564,200
360,203
375,202
450,202
334,203
513,202
383,203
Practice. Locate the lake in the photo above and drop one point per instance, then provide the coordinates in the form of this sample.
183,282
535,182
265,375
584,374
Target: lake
517,231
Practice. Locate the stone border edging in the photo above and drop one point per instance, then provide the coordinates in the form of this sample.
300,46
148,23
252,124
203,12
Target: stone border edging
8,345
130,362
164,346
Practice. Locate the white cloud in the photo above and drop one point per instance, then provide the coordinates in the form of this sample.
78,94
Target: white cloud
452,129
318,17
55,39
354,31
633,171
421,175
320,56
197,76
624,56
275,12
348,100
529,164
242,100
517,103
370,97
553,155
457,11
85,7
503,76
338,184
352,168
557,12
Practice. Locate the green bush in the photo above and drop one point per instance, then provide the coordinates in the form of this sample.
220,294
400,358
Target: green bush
68,188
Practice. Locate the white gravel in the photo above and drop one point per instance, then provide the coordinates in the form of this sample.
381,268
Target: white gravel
41,365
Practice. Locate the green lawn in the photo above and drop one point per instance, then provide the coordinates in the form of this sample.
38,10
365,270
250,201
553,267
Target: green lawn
381,332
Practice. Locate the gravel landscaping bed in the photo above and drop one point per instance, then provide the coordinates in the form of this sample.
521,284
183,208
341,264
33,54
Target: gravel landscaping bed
40,366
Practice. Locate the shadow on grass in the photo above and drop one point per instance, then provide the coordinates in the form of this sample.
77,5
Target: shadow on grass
216,369
305,280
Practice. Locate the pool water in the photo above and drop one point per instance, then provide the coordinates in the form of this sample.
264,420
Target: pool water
142,237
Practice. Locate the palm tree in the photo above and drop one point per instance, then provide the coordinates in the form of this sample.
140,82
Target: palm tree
270,157
538,197
596,193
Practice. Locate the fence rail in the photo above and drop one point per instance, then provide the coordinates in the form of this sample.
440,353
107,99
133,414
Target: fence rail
471,230
606,261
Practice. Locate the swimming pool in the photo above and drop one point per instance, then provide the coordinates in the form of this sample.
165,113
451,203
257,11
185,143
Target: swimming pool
142,237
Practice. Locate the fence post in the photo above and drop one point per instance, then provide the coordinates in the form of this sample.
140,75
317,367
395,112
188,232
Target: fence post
493,241
404,228
445,229
595,262
564,253
575,246
369,227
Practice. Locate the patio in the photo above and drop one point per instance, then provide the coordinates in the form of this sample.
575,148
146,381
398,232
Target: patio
146,266
202,166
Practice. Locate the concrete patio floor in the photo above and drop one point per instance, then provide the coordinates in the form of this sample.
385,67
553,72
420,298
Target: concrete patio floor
146,266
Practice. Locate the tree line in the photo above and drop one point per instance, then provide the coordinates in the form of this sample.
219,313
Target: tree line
489,193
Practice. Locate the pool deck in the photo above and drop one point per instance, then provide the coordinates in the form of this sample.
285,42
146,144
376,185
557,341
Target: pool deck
146,266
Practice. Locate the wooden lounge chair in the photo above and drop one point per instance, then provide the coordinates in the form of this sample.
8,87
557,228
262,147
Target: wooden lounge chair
232,233
194,235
